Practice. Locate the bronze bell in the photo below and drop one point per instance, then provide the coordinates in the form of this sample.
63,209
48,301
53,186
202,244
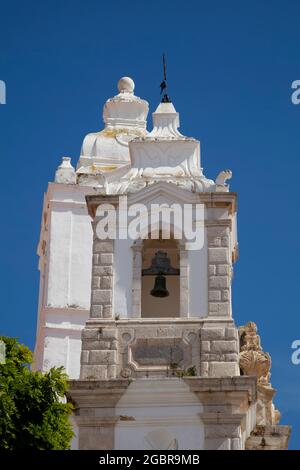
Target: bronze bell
159,289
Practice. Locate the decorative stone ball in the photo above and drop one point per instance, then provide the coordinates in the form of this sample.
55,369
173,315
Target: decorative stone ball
126,85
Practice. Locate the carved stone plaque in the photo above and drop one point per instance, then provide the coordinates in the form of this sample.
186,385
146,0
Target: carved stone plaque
157,352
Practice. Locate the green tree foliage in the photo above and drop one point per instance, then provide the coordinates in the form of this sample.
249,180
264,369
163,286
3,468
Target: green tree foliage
33,409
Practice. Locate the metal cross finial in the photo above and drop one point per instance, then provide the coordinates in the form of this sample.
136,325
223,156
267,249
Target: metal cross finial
163,85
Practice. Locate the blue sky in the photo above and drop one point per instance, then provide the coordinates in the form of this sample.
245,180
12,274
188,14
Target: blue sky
230,69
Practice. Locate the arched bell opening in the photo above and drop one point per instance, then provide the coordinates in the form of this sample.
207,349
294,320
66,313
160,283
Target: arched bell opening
160,290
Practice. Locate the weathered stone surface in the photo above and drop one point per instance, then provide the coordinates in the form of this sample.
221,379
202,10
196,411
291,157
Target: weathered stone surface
101,296
95,282
219,308
84,357
218,255
107,311
102,270
212,269
149,332
269,438
214,295
232,333
111,333
112,371
106,259
205,346
225,294
232,357
158,351
114,345
212,333
90,333
219,282
204,368
103,357
221,430
106,282
225,241
93,372
95,259
101,246
90,344
223,347
223,369
96,311
223,269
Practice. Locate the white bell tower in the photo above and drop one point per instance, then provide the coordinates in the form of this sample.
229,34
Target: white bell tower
143,324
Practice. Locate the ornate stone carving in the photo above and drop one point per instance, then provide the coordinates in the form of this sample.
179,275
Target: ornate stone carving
222,177
143,158
254,361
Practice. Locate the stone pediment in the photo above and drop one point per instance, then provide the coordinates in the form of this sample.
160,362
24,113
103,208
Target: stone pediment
167,192
163,192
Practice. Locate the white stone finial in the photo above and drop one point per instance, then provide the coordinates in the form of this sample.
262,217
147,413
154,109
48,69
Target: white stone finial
65,173
126,85
165,122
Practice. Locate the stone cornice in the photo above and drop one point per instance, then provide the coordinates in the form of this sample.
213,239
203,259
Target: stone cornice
84,392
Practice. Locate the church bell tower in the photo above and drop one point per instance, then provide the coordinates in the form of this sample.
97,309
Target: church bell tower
160,363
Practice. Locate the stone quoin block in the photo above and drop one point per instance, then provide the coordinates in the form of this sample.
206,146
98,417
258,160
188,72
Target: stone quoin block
222,347
232,333
218,255
103,246
225,294
214,295
106,258
106,282
225,241
96,311
219,282
107,311
101,296
210,334
102,270
223,269
219,308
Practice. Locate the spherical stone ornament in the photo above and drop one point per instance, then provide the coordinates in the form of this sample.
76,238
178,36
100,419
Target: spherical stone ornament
126,85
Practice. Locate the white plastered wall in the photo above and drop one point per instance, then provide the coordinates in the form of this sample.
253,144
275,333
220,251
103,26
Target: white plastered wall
66,273
159,414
